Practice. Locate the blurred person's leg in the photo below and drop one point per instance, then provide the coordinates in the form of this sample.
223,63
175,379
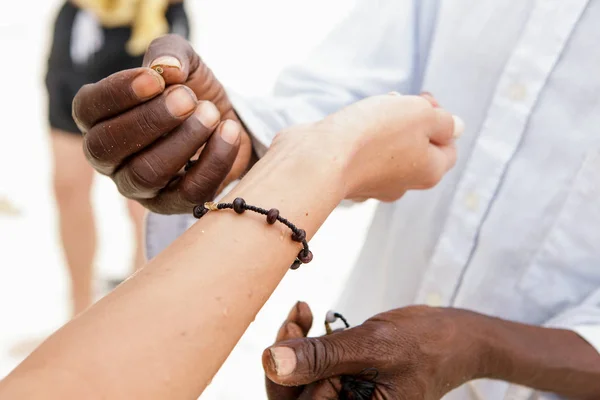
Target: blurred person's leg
73,178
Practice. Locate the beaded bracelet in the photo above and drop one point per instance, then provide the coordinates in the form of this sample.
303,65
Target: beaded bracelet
239,206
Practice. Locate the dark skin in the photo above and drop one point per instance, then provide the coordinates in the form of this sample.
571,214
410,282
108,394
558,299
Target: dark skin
142,138
423,353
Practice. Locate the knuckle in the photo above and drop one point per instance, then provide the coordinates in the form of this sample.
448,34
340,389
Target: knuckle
95,149
192,132
147,123
113,90
321,356
427,114
147,172
201,187
420,103
201,184
100,143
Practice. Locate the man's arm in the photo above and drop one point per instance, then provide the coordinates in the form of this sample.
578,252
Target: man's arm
422,352
569,354
546,359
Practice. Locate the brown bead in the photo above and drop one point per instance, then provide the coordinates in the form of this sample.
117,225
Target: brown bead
272,216
200,211
239,205
305,256
296,265
299,235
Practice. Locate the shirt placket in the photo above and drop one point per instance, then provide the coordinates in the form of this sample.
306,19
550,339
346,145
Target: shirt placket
544,37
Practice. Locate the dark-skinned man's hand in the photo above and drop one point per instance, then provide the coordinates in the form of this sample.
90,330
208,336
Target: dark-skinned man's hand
422,353
418,352
141,128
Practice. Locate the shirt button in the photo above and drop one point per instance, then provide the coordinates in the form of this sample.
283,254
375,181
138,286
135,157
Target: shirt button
472,201
433,300
517,92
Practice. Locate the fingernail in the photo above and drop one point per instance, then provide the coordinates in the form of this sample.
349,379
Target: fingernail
207,114
459,126
230,131
147,85
284,360
181,101
166,61
394,94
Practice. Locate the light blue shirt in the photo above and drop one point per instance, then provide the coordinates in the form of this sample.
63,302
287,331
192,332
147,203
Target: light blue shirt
514,230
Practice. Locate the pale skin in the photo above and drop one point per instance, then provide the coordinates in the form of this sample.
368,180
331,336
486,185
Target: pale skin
165,332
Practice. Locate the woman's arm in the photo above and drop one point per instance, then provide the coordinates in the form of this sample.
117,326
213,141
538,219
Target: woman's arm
165,332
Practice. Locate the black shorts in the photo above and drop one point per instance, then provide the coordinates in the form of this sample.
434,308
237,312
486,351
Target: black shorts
84,52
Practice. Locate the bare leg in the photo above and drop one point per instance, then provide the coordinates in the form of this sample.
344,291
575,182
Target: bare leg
137,214
73,178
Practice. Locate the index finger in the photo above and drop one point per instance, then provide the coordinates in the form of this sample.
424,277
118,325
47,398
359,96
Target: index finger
301,317
114,95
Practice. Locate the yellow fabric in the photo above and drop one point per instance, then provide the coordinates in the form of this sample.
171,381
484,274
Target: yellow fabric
147,19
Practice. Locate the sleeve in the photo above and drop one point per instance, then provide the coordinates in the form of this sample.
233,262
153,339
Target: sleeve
372,51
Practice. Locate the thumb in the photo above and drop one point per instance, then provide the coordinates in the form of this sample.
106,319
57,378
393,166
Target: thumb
174,55
304,361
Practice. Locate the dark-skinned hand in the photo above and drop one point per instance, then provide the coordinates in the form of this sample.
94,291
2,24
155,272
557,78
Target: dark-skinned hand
419,353
140,128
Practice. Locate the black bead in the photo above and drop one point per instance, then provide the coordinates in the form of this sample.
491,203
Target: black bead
296,264
272,216
299,235
239,205
305,256
200,211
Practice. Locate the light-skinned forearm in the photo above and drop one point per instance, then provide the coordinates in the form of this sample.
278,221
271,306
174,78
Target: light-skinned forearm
166,331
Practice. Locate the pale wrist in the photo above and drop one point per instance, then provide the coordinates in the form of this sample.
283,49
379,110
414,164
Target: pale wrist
302,185
299,155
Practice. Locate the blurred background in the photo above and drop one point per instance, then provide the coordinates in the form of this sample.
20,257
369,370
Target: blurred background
246,49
